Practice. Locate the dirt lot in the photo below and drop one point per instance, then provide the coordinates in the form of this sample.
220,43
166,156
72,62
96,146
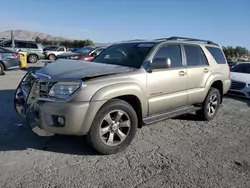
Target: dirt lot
181,152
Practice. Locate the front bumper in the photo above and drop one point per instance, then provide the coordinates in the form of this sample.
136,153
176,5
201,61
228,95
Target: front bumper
239,89
47,118
245,93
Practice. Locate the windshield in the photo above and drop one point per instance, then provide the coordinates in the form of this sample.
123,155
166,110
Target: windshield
242,68
85,50
127,54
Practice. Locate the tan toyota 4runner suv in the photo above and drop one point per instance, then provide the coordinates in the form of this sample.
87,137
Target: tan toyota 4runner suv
128,85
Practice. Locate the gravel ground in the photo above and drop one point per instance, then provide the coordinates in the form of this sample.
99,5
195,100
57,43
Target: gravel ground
181,152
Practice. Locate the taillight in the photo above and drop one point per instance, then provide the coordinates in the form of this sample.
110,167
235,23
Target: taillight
15,55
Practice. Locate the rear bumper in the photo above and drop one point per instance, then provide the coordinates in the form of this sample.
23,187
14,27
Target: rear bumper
226,86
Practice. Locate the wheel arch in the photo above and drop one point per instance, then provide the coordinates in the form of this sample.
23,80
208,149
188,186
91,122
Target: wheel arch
218,84
132,93
4,66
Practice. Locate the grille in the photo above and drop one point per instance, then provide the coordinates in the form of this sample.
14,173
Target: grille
42,89
237,85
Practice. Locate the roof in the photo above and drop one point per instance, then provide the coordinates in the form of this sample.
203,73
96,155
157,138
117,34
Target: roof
173,39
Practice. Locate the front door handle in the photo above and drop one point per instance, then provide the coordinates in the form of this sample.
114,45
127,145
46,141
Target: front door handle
182,73
206,70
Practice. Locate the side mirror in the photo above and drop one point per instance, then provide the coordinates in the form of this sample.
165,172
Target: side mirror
94,54
160,63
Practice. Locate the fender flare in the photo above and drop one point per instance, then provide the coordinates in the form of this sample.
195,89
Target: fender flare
121,89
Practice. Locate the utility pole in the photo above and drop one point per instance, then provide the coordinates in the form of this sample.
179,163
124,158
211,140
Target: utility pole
12,39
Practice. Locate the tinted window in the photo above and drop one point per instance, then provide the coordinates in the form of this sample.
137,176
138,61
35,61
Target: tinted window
241,68
98,51
51,48
173,52
195,56
61,49
21,45
7,44
31,45
85,50
2,50
125,54
217,55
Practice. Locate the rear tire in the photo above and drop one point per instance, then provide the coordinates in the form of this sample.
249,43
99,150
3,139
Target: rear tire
210,105
32,58
52,57
113,128
1,69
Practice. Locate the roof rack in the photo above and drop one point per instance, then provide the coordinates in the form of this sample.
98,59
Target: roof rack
188,39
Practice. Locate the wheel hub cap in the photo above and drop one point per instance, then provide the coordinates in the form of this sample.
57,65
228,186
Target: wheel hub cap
114,127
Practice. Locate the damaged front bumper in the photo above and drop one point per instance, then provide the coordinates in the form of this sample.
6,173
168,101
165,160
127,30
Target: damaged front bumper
49,117
27,106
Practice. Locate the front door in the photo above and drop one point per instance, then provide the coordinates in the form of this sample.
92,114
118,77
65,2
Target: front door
167,87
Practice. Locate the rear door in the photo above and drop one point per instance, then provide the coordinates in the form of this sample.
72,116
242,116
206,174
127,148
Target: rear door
198,72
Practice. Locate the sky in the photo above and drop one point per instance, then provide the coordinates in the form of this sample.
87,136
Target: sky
226,22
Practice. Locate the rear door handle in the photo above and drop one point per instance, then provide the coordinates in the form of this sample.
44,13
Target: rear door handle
182,73
206,70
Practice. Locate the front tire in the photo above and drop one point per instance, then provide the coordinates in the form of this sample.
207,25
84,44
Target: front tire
211,105
113,128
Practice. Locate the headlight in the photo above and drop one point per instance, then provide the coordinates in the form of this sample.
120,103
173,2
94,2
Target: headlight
74,57
248,85
63,90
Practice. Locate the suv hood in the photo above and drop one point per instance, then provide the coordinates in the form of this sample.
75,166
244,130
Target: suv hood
75,69
241,77
67,54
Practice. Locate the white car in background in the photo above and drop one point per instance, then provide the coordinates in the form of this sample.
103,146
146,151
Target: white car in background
52,51
240,80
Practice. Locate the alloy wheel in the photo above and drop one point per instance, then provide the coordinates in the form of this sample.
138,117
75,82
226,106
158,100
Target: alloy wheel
115,127
212,105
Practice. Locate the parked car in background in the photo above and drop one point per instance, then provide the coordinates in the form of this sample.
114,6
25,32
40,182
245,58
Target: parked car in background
50,47
9,60
86,53
231,63
34,50
240,76
53,51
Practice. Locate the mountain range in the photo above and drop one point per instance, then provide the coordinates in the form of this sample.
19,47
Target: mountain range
29,35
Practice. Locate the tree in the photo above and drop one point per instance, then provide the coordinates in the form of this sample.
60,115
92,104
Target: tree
88,42
236,53
38,40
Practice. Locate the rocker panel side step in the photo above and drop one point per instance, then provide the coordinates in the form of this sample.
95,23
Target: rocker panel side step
170,114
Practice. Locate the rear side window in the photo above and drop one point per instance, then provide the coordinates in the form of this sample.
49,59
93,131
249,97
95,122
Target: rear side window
61,49
31,45
217,55
195,56
21,45
7,44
